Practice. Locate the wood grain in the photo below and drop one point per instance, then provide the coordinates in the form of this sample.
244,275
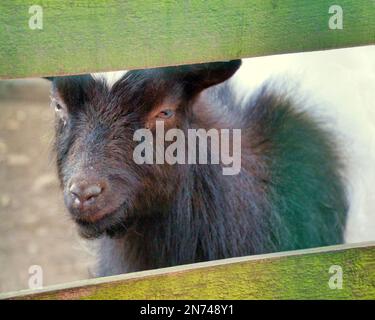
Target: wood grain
84,36
302,274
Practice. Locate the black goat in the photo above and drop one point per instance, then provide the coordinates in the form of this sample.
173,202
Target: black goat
287,195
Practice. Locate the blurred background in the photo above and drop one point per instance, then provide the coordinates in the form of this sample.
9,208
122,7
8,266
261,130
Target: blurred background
34,228
339,86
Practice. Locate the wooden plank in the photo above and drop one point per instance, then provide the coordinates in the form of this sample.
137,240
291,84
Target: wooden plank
302,274
101,35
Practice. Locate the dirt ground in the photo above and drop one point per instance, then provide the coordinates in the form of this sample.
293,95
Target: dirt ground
35,228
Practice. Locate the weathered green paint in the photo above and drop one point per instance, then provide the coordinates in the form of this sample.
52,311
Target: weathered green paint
101,35
300,274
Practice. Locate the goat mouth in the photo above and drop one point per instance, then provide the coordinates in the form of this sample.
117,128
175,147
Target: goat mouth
94,217
112,223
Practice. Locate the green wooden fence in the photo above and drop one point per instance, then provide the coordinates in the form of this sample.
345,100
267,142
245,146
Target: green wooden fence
91,35
101,35
302,274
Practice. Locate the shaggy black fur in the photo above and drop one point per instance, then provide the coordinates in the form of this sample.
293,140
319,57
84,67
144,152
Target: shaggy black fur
288,195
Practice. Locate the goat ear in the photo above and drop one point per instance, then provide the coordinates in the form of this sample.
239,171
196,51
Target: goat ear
72,89
198,77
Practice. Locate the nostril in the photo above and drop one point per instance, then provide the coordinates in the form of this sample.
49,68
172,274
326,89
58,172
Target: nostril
83,192
93,191
75,190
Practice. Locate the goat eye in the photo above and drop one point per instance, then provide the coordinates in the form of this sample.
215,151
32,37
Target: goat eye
166,114
60,110
56,105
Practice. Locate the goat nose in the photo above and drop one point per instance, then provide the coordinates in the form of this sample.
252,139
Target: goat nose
84,193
